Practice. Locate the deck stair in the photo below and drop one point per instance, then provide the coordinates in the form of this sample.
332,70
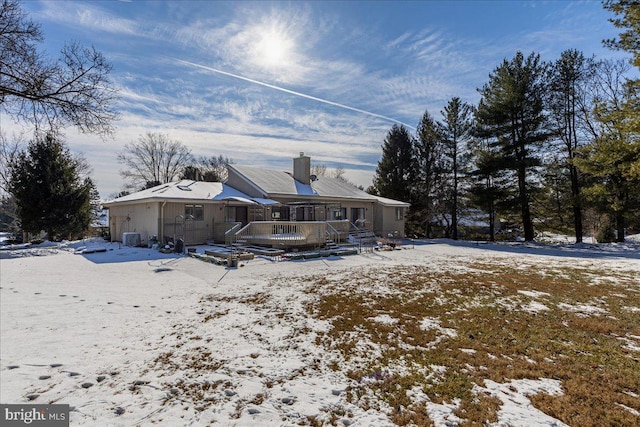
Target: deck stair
363,237
330,244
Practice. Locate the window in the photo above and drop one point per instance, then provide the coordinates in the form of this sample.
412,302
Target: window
280,213
194,212
338,214
399,214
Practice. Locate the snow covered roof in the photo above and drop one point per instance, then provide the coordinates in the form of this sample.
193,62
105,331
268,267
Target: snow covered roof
391,202
190,190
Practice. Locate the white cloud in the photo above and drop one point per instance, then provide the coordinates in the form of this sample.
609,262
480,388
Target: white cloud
89,17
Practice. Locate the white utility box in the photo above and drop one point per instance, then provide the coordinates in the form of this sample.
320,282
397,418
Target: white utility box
131,239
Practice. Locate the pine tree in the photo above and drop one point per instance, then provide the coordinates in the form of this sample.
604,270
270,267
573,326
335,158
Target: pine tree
395,171
556,201
488,187
627,18
610,159
511,112
50,194
429,195
456,130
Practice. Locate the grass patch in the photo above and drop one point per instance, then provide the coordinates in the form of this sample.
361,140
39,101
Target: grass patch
445,333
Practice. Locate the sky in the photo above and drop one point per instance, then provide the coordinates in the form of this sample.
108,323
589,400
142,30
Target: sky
260,82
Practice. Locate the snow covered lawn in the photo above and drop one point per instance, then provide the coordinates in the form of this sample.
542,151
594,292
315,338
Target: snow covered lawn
441,332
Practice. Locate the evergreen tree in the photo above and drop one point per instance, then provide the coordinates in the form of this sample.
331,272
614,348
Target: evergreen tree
429,195
395,171
49,192
456,130
610,159
628,19
556,202
488,188
511,112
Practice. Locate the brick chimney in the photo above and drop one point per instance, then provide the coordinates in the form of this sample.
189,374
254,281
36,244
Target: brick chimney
302,169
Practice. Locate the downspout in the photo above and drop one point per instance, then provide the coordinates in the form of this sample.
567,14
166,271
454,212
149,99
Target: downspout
161,236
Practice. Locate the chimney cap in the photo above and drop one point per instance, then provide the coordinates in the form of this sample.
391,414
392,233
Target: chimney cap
302,154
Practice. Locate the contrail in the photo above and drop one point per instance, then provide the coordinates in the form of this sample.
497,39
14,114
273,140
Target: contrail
293,92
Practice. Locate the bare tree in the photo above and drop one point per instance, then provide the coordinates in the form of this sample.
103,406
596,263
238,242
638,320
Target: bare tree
337,173
214,168
9,150
153,159
319,170
209,169
73,90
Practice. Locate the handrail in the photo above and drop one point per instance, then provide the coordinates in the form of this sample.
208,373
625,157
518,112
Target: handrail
230,234
279,232
332,233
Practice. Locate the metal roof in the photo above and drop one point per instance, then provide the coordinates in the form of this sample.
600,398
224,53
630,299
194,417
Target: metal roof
279,183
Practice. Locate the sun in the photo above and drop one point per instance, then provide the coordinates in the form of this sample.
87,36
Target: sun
273,49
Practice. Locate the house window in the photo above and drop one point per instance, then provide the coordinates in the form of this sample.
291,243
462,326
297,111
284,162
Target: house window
194,212
399,214
338,214
280,213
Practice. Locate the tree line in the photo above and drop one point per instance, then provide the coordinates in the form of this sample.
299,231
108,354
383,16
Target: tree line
553,144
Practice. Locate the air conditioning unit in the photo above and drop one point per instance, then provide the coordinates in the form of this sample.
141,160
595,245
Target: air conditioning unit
131,239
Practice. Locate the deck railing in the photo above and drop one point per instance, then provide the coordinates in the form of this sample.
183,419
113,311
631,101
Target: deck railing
230,234
283,233
338,230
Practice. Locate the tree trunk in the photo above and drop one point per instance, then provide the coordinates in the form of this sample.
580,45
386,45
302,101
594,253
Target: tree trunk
620,226
454,212
527,224
577,223
576,202
492,224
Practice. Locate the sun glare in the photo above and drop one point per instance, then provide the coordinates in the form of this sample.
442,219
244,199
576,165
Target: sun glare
273,49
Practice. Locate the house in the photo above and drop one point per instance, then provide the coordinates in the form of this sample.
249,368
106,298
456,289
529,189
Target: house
256,206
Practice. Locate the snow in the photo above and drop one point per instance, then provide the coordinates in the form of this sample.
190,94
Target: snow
533,294
385,319
170,340
517,409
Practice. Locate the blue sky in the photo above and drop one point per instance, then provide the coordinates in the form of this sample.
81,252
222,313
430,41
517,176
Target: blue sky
260,82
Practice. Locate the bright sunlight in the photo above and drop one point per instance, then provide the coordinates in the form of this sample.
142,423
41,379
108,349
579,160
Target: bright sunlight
273,49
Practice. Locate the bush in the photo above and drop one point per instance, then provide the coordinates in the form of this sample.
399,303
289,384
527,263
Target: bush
605,233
